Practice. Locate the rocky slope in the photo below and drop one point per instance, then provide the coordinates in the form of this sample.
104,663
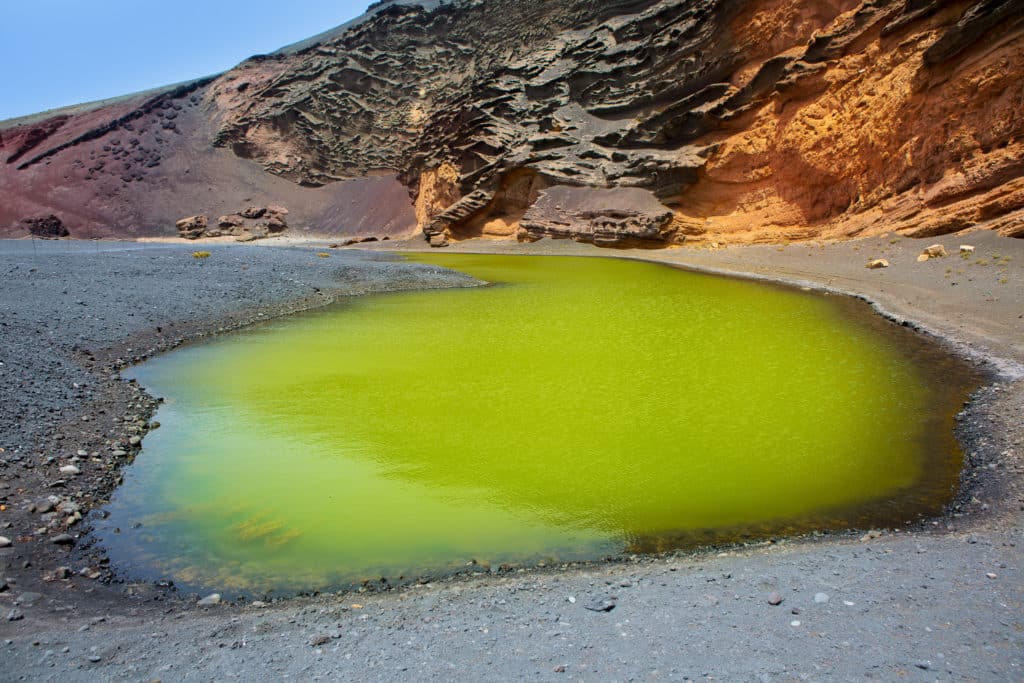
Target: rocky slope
623,123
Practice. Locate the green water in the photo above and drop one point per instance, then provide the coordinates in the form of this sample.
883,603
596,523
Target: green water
576,408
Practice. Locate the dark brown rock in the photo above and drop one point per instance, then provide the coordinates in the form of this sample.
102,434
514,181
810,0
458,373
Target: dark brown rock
47,227
233,220
193,227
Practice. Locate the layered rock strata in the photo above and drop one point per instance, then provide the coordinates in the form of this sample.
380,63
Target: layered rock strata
735,120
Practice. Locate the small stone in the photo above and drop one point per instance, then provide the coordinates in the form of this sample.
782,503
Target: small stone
877,264
924,258
320,640
775,599
15,615
70,470
210,600
5,542
923,665
601,605
259,604
63,539
709,601
560,669
58,574
794,623
95,659
935,251
82,453
821,598
992,576
119,454
29,598
966,249
135,440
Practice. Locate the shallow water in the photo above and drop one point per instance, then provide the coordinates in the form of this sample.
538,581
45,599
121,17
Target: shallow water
577,408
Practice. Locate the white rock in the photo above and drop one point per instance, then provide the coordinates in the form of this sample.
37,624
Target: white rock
70,470
5,542
210,600
821,598
966,249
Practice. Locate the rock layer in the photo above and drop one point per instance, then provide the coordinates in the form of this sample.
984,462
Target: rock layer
740,120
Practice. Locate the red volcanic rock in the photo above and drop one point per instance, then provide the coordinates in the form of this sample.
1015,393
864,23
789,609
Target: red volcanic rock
754,121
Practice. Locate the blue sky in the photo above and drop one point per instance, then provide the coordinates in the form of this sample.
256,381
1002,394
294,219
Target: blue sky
59,52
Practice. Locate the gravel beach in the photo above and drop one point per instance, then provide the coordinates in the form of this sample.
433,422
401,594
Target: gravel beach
939,600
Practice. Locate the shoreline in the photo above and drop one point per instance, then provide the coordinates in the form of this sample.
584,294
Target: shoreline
976,431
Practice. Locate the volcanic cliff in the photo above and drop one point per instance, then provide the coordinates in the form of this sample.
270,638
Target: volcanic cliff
619,122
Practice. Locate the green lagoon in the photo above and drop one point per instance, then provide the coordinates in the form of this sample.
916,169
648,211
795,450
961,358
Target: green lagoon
575,408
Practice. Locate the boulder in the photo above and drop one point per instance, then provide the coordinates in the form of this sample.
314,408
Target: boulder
232,220
878,263
258,232
438,241
210,600
966,249
613,217
935,251
193,227
254,212
277,210
46,227
359,240
276,224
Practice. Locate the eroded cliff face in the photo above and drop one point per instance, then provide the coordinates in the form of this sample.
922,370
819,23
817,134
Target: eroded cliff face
628,123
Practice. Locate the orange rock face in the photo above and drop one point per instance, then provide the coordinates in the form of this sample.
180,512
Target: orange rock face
876,140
